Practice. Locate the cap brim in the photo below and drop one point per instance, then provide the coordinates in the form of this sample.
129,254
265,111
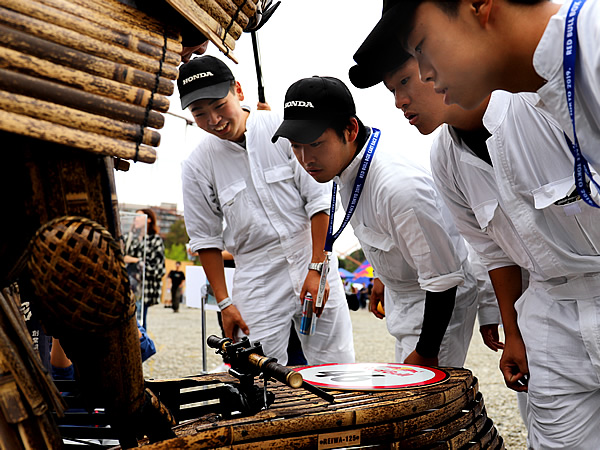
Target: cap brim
381,52
219,90
302,131
363,77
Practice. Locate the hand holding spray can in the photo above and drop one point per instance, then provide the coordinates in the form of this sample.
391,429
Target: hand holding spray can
309,318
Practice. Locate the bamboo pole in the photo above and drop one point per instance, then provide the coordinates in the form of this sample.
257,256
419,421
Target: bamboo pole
69,21
212,8
85,62
231,6
130,15
10,359
62,115
8,304
230,9
63,95
84,43
19,62
91,142
103,17
206,24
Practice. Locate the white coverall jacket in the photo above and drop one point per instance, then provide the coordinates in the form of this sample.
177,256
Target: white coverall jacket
509,214
413,248
548,63
266,199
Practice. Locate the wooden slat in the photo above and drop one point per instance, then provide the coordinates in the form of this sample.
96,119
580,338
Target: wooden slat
78,41
475,416
73,118
248,7
68,57
92,142
13,320
207,25
105,17
230,8
297,417
63,95
68,21
92,84
214,10
129,15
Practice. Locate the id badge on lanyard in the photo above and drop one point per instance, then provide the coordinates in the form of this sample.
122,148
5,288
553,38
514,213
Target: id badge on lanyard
581,169
323,280
359,184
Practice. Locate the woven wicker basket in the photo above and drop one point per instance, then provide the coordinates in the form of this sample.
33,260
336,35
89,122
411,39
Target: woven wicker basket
78,273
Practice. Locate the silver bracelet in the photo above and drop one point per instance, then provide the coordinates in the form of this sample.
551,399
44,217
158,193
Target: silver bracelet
224,303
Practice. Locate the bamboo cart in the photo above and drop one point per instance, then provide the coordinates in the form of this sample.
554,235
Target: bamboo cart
83,89
448,415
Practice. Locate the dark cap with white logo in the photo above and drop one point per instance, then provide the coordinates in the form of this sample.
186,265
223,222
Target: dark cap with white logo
382,51
311,105
204,77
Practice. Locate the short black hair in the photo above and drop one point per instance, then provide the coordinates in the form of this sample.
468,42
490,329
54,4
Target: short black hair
339,124
404,11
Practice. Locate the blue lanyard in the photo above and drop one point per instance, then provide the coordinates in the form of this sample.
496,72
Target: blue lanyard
359,183
582,167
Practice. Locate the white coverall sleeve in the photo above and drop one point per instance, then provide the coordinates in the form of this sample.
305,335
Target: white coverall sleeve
490,254
420,231
488,312
202,212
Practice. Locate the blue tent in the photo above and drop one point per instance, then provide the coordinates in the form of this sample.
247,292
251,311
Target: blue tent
363,280
363,274
345,273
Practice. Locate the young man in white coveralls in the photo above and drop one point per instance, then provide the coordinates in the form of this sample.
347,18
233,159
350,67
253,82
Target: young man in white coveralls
505,172
400,221
275,216
470,48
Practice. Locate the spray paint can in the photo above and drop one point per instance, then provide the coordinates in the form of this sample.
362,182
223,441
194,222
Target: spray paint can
309,318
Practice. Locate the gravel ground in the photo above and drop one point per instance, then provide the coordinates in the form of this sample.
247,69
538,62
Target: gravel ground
178,340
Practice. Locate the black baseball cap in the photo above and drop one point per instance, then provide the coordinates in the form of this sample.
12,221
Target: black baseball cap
311,105
382,51
203,77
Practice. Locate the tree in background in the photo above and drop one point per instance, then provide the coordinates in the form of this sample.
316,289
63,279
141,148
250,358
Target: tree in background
353,260
175,241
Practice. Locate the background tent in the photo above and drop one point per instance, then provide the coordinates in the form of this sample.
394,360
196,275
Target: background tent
363,274
345,273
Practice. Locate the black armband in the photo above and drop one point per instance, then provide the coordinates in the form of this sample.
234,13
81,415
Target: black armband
438,311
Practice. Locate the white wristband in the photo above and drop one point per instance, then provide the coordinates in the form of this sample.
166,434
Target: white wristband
224,303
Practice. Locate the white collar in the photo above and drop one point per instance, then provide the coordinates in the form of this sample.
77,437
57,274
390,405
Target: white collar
348,175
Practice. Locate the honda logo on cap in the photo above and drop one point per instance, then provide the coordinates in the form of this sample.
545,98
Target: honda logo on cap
300,103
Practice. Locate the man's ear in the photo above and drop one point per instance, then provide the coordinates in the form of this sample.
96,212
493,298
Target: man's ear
352,130
482,10
238,91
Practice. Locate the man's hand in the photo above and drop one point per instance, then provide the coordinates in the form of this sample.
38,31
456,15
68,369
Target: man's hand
513,364
415,358
232,320
311,284
263,106
187,52
377,297
490,336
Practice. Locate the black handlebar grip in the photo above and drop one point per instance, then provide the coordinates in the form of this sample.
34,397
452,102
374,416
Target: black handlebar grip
216,342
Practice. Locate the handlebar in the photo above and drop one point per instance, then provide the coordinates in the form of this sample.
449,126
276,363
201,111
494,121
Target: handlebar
269,366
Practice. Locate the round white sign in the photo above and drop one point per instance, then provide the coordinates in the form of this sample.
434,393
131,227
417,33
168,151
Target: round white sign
371,376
